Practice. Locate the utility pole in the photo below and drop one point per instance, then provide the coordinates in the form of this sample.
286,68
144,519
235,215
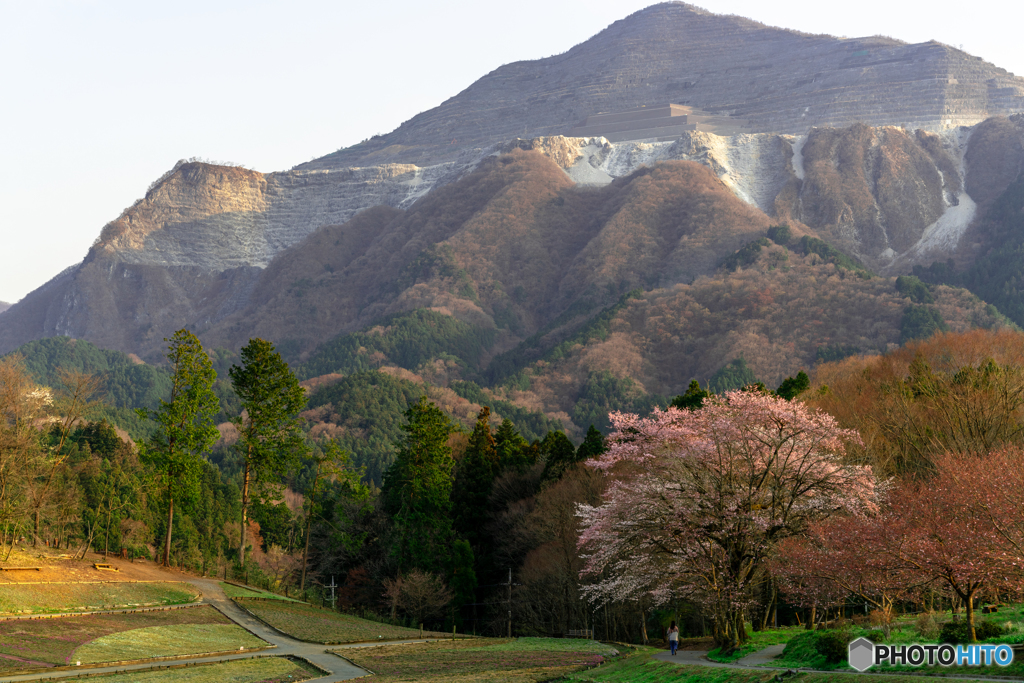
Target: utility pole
332,587
510,602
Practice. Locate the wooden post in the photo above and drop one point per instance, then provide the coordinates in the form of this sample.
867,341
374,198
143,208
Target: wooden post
510,602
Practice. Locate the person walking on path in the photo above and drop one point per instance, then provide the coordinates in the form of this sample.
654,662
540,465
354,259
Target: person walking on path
673,637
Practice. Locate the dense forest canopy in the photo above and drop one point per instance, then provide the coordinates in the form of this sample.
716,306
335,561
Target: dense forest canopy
395,478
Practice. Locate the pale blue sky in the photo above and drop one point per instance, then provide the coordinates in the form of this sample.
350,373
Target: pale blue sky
98,98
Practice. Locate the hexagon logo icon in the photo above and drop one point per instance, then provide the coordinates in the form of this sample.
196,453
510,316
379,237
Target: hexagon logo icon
861,654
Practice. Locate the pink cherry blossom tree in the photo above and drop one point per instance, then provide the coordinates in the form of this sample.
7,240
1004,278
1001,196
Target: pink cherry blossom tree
941,531
845,555
958,529
699,498
992,488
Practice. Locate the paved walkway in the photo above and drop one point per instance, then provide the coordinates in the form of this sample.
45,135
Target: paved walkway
762,657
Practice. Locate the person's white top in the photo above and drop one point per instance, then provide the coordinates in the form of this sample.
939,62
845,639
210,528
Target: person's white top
673,635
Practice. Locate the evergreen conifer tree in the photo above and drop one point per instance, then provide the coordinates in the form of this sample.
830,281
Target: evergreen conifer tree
417,489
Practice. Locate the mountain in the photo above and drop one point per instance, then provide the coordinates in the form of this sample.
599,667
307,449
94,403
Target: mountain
569,274
201,248
4,306
765,79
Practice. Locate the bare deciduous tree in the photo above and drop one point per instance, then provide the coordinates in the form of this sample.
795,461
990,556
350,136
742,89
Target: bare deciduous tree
421,595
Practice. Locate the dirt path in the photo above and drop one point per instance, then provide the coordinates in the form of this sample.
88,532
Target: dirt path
58,568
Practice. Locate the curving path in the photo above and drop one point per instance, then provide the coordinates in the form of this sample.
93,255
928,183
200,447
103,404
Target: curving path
341,669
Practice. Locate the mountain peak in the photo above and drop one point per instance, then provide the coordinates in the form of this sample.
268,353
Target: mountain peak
768,79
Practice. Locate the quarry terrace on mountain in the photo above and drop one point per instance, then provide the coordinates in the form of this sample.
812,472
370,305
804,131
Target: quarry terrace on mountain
891,153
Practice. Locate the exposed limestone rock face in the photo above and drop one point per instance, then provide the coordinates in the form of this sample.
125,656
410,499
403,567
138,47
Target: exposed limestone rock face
766,79
190,252
868,190
891,197
216,217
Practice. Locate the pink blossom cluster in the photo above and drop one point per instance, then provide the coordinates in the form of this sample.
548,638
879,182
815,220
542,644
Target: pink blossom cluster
698,499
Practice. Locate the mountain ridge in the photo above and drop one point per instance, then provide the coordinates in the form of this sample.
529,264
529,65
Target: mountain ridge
178,258
774,79
515,234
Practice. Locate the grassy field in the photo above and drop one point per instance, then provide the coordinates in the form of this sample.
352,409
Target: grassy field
324,626
638,667
524,660
165,641
55,642
759,640
233,591
83,597
261,670
801,651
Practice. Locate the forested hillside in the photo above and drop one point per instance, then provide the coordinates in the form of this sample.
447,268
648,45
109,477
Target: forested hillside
510,248
997,276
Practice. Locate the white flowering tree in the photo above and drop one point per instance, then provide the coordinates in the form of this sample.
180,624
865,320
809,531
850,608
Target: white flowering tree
699,498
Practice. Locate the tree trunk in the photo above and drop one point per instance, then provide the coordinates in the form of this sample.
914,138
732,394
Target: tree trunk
969,603
810,620
740,630
170,522
106,538
305,553
309,522
14,538
245,510
35,527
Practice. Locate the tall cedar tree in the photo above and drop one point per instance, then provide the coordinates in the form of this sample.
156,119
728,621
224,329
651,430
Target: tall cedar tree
512,449
270,434
559,453
693,399
463,582
593,445
185,426
332,469
473,479
792,387
417,489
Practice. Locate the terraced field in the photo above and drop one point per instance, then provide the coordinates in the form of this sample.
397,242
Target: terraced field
324,626
233,591
83,597
115,637
262,670
524,660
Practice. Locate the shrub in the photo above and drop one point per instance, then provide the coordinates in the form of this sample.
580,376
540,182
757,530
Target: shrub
833,645
745,256
955,632
780,234
927,627
917,291
803,648
920,322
